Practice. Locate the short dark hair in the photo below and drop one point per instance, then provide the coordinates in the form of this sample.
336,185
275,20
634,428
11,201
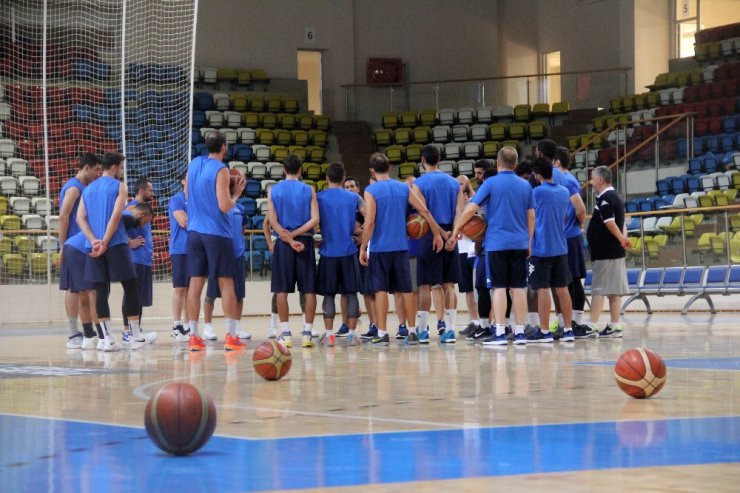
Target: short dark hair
563,155
145,208
547,148
140,184
335,173
379,162
489,173
430,155
89,159
183,175
352,178
523,168
292,164
111,159
542,167
215,140
485,164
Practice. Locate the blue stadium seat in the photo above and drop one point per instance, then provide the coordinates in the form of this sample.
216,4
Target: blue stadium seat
649,283
249,205
199,119
663,187
671,282
253,189
243,152
257,221
204,101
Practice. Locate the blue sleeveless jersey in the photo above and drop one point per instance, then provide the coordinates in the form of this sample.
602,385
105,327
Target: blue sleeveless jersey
440,192
204,216
77,242
73,228
337,210
236,216
292,202
178,235
144,254
391,200
100,199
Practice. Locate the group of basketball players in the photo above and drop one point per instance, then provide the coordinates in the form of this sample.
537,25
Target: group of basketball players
532,245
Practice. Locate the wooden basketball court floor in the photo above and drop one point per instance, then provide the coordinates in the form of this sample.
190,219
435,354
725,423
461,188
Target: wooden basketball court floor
359,418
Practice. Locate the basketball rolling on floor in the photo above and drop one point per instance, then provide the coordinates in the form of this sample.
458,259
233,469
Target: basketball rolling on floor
362,418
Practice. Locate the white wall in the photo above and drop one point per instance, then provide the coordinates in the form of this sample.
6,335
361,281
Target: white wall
652,40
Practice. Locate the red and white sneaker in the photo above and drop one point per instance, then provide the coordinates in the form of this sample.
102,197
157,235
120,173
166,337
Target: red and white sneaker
196,343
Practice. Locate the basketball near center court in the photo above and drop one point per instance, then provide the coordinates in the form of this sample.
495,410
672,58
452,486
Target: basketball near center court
180,418
474,228
416,226
272,360
640,373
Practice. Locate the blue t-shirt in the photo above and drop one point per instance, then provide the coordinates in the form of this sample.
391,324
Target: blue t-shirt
292,202
236,216
440,192
508,199
551,209
391,199
73,227
337,213
572,226
178,235
204,216
100,200
77,241
144,254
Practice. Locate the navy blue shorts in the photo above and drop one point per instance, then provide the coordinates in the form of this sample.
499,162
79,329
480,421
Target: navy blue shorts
114,265
389,272
482,277
576,258
548,272
434,268
363,279
290,267
338,275
213,291
72,275
144,284
508,268
210,256
180,277
466,273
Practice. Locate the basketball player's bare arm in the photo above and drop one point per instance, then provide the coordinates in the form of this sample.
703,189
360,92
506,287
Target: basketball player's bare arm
115,217
84,225
579,207
267,231
437,243
65,210
468,212
225,195
530,225
369,227
181,217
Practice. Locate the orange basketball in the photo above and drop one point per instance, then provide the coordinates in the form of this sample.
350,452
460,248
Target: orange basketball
272,360
474,228
640,373
416,226
180,418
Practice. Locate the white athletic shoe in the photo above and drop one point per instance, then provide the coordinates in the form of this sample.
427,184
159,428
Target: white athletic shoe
209,334
181,334
242,334
150,337
75,341
90,342
272,334
134,344
110,344
101,344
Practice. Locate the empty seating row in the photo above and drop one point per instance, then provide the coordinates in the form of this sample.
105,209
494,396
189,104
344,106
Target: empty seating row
244,135
461,133
235,119
35,264
264,153
452,151
221,101
239,76
25,244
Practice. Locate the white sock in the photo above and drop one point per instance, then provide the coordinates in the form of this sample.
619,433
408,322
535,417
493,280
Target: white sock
285,328
208,327
578,316
73,326
193,327
274,320
591,324
421,318
451,318
519,329
307,327
561,320
500,329
176,323
615,325
533,319
133,326
381,333
329,331
231,326
484,323
105,325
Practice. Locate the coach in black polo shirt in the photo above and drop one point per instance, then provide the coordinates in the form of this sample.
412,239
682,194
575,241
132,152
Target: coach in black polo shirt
607,241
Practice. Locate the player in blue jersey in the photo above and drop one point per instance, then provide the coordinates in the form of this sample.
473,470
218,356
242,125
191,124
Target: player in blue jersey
385,236
438,272
548,264
142,253
339,270
232,342
75,305
178,216
510,217
294,212
99,217
210,248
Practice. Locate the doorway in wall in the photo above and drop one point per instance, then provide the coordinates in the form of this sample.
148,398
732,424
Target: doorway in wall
552,88
309,69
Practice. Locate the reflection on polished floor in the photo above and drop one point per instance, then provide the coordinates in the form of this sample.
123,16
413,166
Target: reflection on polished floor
436,418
